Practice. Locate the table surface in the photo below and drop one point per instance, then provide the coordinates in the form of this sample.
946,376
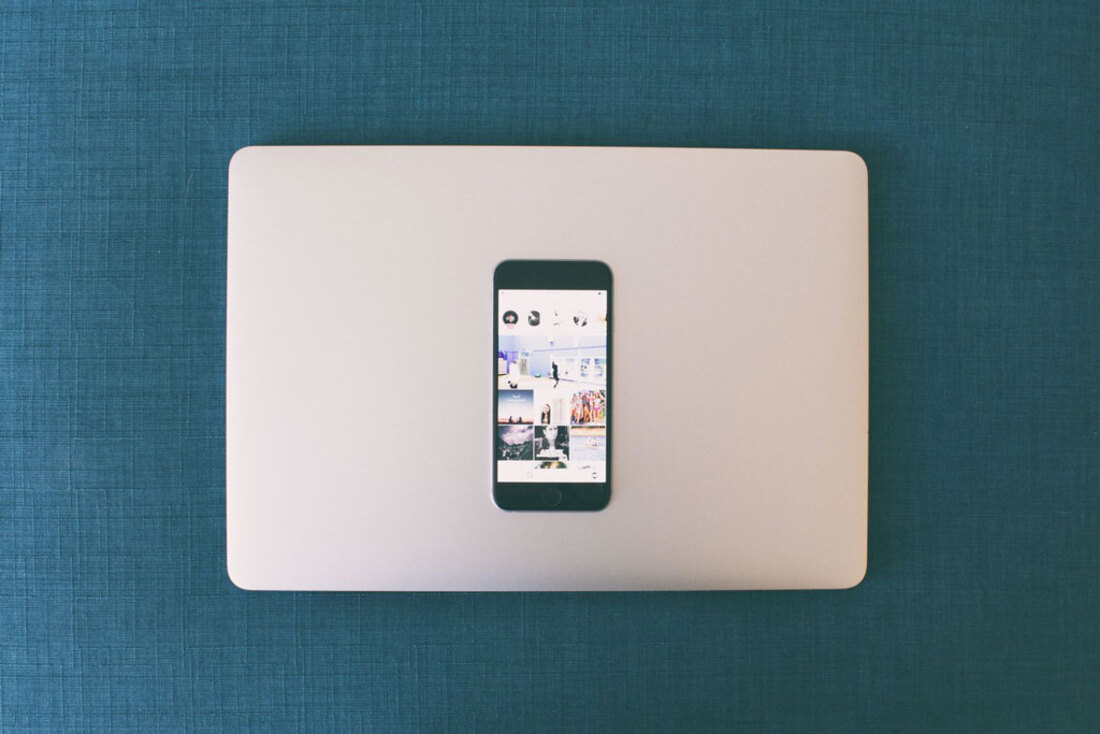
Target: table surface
977,121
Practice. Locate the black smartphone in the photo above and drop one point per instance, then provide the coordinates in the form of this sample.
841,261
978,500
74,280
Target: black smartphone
552,366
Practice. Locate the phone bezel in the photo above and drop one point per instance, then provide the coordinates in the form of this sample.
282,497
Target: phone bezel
553,275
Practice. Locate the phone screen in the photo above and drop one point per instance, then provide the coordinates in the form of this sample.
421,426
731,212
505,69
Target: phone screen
551,395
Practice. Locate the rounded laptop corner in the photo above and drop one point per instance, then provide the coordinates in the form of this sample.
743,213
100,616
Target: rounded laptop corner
857,578
237,576
857,162
241,157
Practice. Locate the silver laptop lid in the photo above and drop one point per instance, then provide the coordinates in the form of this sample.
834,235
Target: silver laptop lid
358,401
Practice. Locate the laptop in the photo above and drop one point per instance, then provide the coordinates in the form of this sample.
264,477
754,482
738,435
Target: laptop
365,368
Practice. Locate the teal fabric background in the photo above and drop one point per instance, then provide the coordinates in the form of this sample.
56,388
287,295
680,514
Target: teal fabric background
978,122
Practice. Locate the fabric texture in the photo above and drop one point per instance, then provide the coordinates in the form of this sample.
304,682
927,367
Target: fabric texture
978,124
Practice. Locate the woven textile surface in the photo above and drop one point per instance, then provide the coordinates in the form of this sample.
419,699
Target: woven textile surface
978,123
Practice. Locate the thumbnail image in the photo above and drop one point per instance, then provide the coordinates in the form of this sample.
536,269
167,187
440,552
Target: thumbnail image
588,444
539,361
588,407
551,443
552,465
514,443
515,406
551,407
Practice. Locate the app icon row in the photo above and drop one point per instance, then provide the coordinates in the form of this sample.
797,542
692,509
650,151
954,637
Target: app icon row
554,318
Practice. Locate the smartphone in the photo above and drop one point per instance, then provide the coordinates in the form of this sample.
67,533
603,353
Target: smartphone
552,367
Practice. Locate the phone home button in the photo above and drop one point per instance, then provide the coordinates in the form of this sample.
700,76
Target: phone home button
551,496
